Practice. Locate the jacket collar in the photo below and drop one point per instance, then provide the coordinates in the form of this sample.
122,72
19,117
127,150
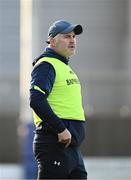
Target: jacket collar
49,52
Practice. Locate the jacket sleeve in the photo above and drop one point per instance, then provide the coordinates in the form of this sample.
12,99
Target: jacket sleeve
42,80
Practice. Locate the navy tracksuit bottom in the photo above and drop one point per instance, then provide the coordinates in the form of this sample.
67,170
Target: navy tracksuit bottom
57,162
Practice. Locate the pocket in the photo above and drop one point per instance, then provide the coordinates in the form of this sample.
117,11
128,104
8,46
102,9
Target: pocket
77,130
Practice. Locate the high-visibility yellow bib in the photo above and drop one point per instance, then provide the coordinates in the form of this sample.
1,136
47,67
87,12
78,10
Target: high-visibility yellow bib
65,98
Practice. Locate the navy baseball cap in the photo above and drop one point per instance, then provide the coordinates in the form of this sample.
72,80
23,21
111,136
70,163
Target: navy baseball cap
64,27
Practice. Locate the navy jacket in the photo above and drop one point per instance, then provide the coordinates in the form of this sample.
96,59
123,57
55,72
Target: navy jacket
43,76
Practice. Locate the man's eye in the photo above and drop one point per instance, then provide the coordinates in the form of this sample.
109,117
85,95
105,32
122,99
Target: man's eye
67,36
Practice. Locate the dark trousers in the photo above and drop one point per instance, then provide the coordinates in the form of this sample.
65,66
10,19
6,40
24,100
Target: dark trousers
57,162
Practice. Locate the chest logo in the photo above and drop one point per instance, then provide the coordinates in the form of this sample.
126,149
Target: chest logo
71,72
72,81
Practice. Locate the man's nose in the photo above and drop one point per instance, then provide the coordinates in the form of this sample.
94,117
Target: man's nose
72,39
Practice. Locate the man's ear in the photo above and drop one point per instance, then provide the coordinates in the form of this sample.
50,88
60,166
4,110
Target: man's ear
52,41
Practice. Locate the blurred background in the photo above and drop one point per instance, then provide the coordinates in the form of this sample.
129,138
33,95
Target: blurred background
103,64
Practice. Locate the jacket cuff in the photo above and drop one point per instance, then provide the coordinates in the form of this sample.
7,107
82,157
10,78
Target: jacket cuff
58,126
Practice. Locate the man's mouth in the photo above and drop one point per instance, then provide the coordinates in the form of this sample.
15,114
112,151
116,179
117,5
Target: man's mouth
71,47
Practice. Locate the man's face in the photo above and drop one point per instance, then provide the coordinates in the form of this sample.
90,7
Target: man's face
65,44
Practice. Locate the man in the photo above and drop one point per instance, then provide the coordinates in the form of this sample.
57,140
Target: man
55,97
